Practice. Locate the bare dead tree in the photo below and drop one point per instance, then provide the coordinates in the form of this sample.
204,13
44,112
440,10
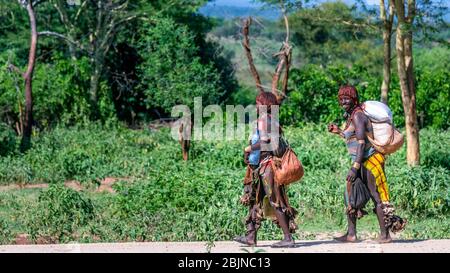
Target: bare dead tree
284,61
248,53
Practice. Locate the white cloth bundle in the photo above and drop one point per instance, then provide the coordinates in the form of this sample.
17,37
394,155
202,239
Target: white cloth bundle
377,111
381,117
386,138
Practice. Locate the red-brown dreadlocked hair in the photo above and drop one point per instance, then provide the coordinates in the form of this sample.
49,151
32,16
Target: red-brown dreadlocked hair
349,91
268,99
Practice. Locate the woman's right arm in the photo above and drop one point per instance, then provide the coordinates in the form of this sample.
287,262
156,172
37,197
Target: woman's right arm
334,129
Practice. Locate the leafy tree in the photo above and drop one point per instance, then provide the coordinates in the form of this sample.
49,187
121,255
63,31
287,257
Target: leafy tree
58,92
313,95
26,120
92,27
171,72
334,33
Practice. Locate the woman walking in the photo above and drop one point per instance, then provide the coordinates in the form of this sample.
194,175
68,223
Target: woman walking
366,178
264,198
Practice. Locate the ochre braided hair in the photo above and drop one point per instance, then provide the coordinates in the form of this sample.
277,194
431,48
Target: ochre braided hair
268,99
349,91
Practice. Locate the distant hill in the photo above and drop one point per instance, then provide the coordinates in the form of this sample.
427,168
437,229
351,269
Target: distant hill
229,12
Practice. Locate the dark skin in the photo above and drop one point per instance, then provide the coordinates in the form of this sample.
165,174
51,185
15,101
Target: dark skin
361,124
264,130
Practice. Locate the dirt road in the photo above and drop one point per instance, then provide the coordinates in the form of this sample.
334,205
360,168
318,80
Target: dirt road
315,246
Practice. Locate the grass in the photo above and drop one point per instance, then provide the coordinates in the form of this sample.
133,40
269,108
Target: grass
166,199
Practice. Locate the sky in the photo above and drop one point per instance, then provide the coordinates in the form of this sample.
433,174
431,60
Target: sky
250,3
236,3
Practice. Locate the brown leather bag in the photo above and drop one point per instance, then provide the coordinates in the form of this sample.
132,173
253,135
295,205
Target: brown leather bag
287,169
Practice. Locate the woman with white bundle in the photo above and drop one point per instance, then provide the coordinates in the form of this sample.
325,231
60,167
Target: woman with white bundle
366,178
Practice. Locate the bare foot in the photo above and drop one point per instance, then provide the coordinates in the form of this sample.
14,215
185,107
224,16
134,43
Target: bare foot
244,240
284,243
346,238
384,240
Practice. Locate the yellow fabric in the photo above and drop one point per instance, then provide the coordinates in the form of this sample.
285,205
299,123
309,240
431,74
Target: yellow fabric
374,165
268,210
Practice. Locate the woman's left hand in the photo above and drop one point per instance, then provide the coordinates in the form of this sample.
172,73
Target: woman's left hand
351,176
246,155
248,149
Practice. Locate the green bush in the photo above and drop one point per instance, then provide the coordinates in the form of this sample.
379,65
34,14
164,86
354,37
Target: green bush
5,232
59,92
313,95
203,197
60,212
7,140
171,72
433,98
161,197
15,170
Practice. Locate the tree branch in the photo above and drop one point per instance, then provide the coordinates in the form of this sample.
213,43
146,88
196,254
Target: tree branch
382,11
353,24
391,12
118,6
37,2
23,3
13,68
126,19
284,63
248,53
59,5
61,36
284,85
411,11
80,9
276,76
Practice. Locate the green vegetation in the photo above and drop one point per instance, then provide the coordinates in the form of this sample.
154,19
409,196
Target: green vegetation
313,95
60,213
124,73
163,198
96,89
172,72
329,53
